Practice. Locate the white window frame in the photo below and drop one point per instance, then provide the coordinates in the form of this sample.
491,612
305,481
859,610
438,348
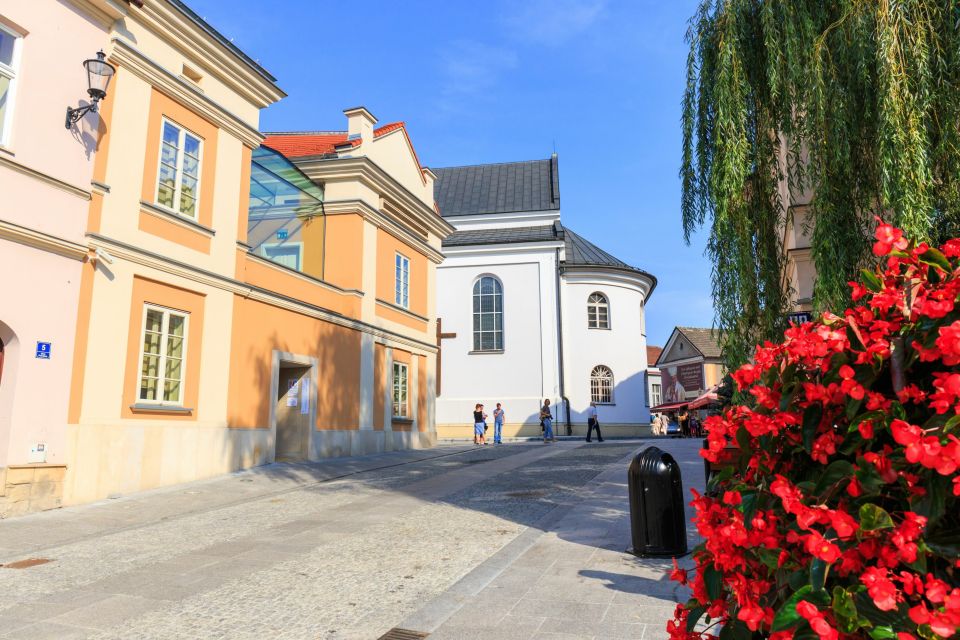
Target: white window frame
401,393
10,72
291,245
178,173
656,394
598,380
162,365
594,307
401,278
478,344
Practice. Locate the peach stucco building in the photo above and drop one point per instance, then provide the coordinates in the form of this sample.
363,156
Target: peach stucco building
230,304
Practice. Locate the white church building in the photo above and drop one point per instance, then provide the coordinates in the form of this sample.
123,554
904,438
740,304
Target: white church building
530,310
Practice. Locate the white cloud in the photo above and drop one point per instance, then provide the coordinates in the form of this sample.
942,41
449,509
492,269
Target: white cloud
552,22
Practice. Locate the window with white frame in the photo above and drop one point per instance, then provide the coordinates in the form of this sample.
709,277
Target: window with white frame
598,311
178,178
487,314
399,390
289,255
10,43
656,394
601,385
402,280
162,356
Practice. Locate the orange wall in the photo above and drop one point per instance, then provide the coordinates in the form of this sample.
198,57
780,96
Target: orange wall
389,313
244,212
80,348
149,291
344,245
379,384
258,329
160,106
157,226
387,249
421,393
276,279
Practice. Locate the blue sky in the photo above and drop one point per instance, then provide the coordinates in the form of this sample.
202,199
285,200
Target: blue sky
600,81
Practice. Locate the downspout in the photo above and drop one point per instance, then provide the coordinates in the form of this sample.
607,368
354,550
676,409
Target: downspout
566,403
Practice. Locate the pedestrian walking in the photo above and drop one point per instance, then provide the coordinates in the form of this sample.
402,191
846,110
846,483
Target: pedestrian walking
479,425
684,425
547,419
498,415
592,422
657,425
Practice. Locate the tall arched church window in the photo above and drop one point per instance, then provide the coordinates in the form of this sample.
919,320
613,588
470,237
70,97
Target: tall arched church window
598,311
487,314
601,385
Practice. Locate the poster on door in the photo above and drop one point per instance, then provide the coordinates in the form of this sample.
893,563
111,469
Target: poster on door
304,398
680,383
292,392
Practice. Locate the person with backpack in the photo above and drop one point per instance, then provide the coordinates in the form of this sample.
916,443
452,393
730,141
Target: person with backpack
498,415
546,418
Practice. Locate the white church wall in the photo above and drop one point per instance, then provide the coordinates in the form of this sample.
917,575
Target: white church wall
622,348
526,371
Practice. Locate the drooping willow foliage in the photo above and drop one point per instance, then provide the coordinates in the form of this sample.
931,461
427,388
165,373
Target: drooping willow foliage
856,101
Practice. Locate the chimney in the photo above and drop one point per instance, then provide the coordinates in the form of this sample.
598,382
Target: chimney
360,124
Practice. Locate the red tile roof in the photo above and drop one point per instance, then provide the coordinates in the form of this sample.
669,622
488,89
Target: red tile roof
314,143
653,353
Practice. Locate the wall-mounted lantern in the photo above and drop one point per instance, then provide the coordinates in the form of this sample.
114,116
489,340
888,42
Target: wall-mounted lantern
99,72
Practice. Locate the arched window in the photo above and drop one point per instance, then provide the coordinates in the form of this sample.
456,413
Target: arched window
601,385
487,314
598,311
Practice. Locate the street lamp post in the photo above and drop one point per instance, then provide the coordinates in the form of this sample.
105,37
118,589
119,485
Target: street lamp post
99,72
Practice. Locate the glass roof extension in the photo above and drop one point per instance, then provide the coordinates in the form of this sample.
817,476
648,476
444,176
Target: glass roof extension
285,222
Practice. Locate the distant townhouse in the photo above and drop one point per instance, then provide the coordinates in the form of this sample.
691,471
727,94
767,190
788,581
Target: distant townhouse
209,303
690,365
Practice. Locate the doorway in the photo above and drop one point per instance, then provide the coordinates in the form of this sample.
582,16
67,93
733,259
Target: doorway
292,411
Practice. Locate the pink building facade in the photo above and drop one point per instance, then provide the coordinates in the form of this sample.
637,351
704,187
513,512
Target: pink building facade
45,199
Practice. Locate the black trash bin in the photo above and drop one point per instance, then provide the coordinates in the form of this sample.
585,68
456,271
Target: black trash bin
658,522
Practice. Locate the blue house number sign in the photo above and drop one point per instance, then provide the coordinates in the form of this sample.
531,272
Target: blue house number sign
43,350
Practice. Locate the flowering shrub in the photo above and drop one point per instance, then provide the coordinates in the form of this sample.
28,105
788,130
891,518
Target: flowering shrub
841,515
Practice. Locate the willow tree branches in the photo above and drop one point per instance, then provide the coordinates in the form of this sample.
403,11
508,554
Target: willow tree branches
856,101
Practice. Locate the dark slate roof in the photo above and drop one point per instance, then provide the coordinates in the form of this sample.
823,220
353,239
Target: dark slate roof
703,339
542,233
507,187
581,251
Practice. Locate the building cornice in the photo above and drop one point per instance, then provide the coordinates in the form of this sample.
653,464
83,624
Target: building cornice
598,274
16,165
126,55
547,246
384,221
152,260
174,26
43,241
372,175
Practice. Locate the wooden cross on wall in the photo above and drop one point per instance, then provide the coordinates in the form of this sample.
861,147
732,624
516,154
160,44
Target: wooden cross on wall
441,336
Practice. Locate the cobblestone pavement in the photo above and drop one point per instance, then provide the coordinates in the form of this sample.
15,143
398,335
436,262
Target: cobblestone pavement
336,550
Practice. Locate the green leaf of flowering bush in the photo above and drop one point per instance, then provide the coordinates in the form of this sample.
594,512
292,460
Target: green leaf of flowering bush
788,617
873,518
845,610
936,258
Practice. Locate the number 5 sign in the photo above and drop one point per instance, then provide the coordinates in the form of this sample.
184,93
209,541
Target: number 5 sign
43,350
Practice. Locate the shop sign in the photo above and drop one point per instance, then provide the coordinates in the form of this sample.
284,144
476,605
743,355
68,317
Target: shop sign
682,382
